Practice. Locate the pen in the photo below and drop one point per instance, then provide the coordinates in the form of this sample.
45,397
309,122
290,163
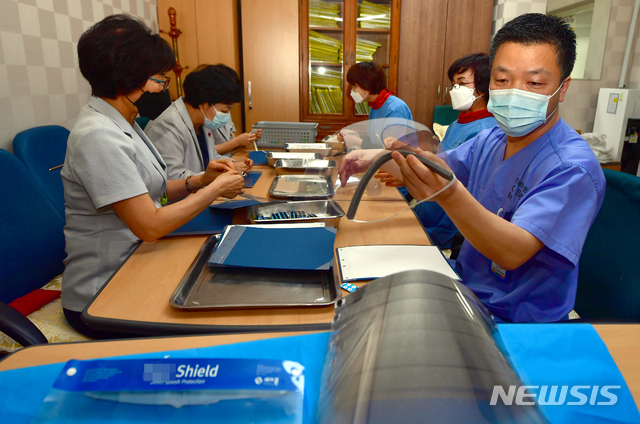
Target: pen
255,145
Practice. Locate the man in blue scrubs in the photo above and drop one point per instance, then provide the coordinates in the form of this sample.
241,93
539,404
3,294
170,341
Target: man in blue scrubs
529,190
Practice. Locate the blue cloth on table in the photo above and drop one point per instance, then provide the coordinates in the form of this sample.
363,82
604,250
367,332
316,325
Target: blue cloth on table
542,354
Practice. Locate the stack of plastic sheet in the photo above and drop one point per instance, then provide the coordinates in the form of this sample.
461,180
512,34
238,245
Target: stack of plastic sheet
323,14
326,91
323,48
374,15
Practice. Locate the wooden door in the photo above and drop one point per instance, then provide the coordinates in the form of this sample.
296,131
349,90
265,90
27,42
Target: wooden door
218,40
469,25
270,60
422,40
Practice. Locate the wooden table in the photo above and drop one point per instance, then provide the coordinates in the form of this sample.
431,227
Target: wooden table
622,340
136,299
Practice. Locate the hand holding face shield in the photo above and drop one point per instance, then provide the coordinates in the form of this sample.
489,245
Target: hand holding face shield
393,169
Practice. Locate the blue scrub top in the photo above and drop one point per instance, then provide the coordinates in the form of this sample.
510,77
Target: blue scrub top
458,133
393,107
553,189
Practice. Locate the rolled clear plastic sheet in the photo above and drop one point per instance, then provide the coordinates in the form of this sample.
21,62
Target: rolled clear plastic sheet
416,346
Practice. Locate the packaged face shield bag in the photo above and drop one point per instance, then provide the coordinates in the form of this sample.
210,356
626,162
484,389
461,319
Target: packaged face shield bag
176,390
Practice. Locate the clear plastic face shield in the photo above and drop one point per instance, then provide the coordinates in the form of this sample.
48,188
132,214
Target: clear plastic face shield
361,154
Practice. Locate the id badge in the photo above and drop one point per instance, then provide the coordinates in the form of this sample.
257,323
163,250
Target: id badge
497,270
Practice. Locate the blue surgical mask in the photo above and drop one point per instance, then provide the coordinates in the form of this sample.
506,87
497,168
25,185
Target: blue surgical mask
219,121
519,112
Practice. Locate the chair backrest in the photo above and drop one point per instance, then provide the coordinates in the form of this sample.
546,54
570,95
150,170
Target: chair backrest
32,247
142,121
40,149
444,114
609,275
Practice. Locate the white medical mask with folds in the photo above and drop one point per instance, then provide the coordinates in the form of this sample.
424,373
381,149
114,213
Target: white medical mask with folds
357,97
462,97
519,112
219,121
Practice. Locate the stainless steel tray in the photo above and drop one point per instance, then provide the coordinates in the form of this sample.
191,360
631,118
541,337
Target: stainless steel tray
323,149
229,288
302,187
272,157
304,167
306,211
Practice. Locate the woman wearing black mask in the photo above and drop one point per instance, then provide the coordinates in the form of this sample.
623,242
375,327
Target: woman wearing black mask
114,179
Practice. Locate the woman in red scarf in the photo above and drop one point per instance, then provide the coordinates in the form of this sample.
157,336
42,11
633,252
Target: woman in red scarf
368,84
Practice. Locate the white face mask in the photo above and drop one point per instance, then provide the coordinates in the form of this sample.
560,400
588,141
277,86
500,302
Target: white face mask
357,97
462,97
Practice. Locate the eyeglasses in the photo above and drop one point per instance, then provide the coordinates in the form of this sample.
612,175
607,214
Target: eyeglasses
450,86
164,83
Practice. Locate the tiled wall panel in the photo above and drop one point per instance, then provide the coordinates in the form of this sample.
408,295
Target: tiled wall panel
40,83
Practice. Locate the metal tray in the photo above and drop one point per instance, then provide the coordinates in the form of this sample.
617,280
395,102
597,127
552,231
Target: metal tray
302,187
226,288
272,157
315,210
322,148
304,167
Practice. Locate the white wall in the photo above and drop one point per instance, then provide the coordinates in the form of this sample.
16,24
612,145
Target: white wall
40,83
579,107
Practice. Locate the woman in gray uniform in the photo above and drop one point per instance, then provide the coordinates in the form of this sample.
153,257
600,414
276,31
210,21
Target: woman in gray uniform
115,181
197,127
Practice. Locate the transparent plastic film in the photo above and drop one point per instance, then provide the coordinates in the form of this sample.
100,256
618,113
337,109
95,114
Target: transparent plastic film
369,174
416,346
176,390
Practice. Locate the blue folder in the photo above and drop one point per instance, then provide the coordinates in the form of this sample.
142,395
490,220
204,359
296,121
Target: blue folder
209,221
236,203
567,354
305,248
259,157
251,178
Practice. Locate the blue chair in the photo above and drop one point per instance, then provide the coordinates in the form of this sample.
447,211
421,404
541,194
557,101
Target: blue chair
444,114
142,121
32,248
41,149
609,275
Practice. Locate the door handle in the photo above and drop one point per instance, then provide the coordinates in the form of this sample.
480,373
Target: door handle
352,61
249,90
438,92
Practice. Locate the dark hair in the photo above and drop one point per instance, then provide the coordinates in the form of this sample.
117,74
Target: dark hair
368,76
536,28
212,84
119,53
479,65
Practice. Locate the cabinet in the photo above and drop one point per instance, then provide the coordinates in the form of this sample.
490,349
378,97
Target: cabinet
266,59
434,34
335,35
270,60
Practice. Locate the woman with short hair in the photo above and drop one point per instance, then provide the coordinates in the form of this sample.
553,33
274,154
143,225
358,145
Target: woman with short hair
189,133
114,179
369,84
